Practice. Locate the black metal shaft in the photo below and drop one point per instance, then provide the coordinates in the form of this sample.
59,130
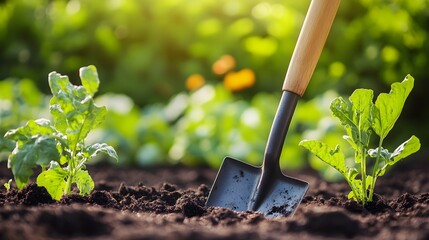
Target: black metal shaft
279,130
271,165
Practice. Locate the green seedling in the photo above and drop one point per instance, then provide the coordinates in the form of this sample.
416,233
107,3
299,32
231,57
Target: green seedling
7,185
361,117
59,147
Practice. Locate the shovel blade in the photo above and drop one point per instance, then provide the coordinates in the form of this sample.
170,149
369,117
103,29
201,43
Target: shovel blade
236,185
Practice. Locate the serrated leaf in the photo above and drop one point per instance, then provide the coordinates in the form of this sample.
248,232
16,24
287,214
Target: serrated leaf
73,108
57,82
60,118
39,150
67,100
32,128
54,180
331,156
94,149
342,109
355,115
89,78
89,119
388,106
84,182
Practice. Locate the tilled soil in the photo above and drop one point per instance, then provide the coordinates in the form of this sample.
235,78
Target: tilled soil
168,203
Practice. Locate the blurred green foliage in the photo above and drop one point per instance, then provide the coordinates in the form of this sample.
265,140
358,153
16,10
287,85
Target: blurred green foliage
20,101
203,126
146,49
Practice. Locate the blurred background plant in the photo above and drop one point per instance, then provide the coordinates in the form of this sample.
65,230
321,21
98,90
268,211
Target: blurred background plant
20,101
191,81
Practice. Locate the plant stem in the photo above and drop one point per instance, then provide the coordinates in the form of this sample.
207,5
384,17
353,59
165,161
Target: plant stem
71,172
363,169
374,170
362,153
68,184
354,190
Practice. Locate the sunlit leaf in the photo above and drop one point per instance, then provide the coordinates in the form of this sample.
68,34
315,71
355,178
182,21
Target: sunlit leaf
97,148
89,77
407,148
388,106
53,180
331,156
84,182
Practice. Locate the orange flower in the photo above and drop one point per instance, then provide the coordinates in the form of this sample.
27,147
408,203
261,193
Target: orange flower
194,81
223,64
236,81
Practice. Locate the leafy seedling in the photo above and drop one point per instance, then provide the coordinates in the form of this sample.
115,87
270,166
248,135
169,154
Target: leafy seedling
7,185
360,117
59,147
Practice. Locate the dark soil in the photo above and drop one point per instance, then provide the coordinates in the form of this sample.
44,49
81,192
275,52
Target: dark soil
168,203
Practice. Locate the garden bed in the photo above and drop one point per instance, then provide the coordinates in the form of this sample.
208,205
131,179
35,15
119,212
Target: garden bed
168,203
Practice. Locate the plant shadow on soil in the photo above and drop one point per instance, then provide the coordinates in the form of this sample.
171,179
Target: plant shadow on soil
169,203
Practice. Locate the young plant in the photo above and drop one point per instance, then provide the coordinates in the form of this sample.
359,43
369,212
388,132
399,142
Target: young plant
7,185
361,117
59,147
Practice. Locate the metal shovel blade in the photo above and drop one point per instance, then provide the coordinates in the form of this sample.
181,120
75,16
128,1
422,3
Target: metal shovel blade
237,182
265,189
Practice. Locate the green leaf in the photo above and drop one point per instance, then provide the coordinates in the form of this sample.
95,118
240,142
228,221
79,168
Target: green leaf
356,116
39,150
6,145
351,195
60,118
342,109
355,185
368,181
67,103
384,153
32,128
388,106
36,145
57,83
54,180
73,108
362,106
352,173
333,157
7,185
89,119
94,149
404,150
89,78
84,182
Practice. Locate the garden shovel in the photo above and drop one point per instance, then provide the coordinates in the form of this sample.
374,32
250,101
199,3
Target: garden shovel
265,189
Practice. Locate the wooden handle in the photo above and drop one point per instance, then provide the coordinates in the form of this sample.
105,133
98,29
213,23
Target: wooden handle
310,43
